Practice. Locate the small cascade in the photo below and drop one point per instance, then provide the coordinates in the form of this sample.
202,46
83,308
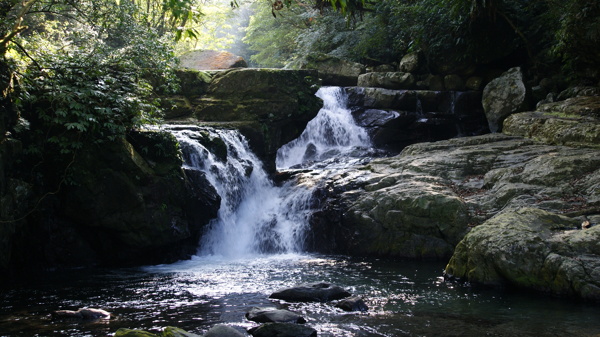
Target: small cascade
255,216
332,133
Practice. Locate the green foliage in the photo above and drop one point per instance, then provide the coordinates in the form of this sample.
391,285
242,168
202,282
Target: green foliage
86,80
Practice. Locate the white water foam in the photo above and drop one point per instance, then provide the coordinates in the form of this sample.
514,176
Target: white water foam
332,133
255,216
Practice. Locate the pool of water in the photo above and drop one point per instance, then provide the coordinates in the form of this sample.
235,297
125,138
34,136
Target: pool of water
404,299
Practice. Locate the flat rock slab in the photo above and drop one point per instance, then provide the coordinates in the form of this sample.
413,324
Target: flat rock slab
283,330
267,315
311,292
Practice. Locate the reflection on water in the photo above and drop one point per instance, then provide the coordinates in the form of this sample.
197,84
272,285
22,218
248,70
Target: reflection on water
405,299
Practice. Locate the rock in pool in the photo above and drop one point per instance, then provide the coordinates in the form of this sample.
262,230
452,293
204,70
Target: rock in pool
82,313
283,330
311,292
352,304
266,315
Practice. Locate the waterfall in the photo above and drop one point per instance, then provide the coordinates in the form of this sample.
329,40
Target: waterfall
255,215
332,133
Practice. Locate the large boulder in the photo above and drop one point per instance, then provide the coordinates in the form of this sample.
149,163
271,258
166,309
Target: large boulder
332,70
220,330
421,203
534,249
411,62
504,96
211,60
574,121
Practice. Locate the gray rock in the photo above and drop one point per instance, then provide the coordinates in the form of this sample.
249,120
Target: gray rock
454,82
504,96
534,249
222,330
311,292
384,68
352,304
421,203
474,83
375,117
389,80
410,63
332,70
266,315
432,82
283,330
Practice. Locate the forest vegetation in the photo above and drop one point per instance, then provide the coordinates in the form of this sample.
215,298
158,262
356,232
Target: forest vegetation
78,74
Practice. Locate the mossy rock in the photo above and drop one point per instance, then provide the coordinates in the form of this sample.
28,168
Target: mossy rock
556,129
532,249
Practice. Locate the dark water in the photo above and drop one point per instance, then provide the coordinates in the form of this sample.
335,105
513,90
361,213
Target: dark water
405,299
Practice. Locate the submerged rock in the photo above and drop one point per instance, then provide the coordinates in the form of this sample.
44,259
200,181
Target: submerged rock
283,330
534,249
265,315
82,314
311,292
352,304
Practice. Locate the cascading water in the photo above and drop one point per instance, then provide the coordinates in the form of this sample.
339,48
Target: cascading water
255,216
332,133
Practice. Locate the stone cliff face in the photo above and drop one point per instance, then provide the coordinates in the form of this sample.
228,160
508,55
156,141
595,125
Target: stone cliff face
119,209
271,107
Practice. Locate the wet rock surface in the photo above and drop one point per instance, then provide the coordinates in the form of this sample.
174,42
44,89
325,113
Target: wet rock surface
311,292
266,315
283,330
352,304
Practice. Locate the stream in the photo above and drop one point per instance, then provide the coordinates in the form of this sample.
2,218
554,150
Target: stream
255,247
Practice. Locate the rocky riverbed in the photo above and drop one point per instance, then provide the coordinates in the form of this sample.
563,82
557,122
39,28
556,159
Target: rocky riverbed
530,194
